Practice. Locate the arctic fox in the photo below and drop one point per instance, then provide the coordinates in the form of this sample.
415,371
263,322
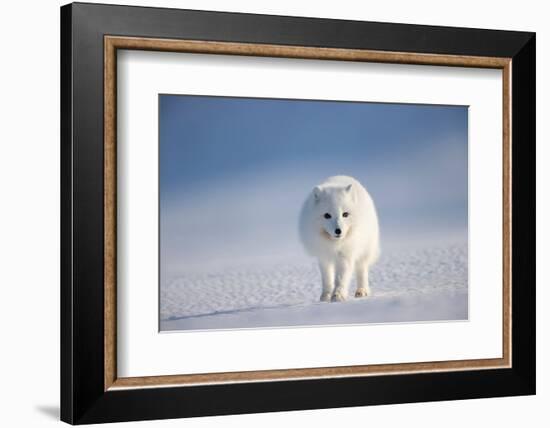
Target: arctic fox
339,226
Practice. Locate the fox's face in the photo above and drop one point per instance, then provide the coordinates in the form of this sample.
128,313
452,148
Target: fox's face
334,209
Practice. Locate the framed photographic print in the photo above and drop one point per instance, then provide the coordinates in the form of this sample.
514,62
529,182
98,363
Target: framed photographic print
265,213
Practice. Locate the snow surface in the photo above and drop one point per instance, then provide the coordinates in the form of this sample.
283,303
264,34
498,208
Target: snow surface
411,283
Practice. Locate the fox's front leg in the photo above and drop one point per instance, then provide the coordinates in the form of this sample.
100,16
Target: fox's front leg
363,288
327,276
344,271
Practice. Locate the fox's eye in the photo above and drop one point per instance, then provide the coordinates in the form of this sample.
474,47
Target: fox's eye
327,216
346,214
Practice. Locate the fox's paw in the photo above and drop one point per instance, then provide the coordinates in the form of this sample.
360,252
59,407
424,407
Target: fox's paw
362,292
338,296
325,297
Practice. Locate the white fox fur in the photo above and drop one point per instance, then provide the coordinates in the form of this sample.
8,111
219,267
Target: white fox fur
339,226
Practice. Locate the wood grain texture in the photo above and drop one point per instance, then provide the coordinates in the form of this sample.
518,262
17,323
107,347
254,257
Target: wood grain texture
112,43
227,48
507,213
110,220
308,373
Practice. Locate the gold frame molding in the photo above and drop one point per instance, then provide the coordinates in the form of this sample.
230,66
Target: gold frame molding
113,43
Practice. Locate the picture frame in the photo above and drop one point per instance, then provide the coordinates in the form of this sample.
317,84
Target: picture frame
91,390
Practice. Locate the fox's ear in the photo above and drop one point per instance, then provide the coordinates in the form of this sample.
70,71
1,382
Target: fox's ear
349,190
317,194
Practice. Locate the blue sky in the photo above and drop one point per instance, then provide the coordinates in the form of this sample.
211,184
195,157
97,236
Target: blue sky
235,170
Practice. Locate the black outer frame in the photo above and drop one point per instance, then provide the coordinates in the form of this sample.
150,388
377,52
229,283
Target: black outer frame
83,399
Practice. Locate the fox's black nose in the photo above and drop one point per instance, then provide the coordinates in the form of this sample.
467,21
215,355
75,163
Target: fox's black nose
338,231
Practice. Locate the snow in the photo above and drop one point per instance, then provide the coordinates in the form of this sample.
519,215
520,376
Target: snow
410,283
